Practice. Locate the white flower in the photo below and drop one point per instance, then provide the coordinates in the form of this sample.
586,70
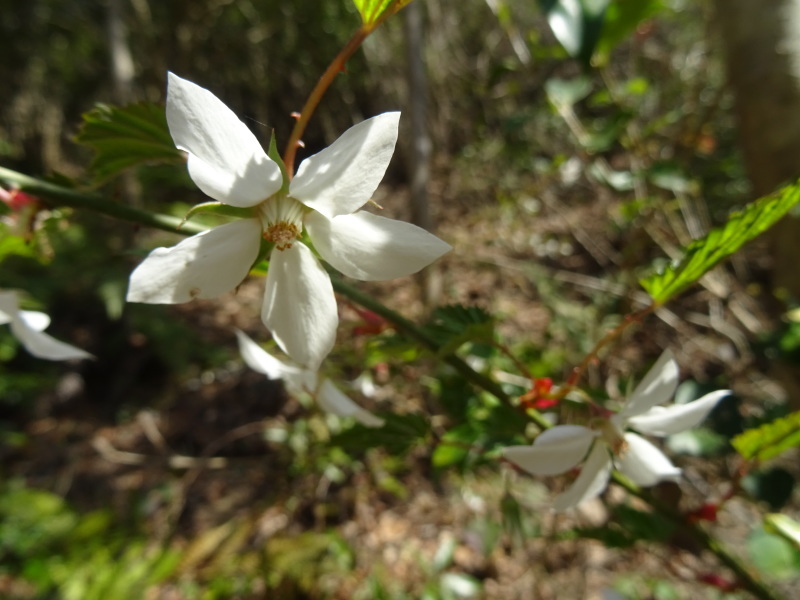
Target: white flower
28,327
610,445
227,163
300,380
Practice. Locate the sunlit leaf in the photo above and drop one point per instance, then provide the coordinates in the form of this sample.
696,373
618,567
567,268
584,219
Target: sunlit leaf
372,10
704,254
770,439
772,554
621,20
123,137
577,24
785,526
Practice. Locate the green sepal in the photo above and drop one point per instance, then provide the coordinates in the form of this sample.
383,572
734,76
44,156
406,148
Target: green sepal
273,153
218,208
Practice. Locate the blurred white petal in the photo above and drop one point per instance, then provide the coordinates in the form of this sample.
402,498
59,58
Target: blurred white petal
645,464
554,451
591,482
657,387
297,380
331,399
667,420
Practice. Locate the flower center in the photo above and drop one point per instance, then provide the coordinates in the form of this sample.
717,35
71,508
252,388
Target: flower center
281,220
612,437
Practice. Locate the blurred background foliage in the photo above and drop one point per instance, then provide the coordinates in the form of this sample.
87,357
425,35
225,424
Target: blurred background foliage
566,166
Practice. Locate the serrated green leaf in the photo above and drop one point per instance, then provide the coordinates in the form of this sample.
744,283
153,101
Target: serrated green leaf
704,254
398,434
372,10
454,325
770,439
275,155
126,136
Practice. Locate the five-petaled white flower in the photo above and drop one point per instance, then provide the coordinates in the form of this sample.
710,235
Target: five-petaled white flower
609,445
300,380
28,327
228,164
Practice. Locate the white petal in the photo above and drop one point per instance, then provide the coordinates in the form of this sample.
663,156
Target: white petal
644,463
657,387
203,266
661,420
591,481
554,451
299,306
342,178
297,380
38,321
330,398
225,159
372,248
42,345
9,306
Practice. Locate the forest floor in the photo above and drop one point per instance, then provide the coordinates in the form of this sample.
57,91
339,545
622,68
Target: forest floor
201,465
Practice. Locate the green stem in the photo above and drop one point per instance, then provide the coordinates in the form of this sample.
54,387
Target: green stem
326,79
417,333
56,195
629,320
336,67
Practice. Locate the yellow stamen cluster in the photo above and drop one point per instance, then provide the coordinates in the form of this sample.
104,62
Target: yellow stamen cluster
282,234
282,220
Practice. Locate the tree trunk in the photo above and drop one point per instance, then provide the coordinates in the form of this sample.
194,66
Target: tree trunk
762,45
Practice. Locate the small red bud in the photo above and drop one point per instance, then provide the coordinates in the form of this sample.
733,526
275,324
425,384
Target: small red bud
719,582
707,512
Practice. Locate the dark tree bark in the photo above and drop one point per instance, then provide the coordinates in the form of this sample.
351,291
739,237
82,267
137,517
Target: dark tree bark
762,46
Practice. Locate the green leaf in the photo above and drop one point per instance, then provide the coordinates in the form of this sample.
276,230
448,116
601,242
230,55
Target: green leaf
123,137
621,20
372,10
770,439
454,325
456,446
772,555
704,254
275,155
784,526
577,25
